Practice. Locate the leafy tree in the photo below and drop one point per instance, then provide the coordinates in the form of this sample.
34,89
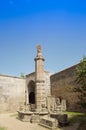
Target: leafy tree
81,82
22,75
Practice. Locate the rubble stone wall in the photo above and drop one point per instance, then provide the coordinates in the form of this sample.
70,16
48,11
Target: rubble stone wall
61,85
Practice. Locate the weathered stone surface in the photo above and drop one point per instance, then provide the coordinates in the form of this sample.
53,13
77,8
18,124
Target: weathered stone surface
35,118
61,118
38,83
41,91
48,122
39,76
24,116
61,85
12,93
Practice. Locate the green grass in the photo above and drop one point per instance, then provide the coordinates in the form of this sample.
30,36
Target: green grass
3,128
76,117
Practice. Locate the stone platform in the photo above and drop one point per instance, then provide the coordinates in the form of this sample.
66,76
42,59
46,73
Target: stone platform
28,116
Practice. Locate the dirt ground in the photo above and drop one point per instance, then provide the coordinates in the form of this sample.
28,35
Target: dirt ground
11,123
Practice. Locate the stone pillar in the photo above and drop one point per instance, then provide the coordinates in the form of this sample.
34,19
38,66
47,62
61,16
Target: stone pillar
39,79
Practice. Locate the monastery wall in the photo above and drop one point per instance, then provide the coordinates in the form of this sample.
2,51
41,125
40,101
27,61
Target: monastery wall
12,93
61,84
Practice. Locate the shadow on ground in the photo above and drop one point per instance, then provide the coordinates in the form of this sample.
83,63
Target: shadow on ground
77,121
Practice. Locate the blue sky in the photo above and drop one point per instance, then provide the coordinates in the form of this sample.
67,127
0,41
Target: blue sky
58,25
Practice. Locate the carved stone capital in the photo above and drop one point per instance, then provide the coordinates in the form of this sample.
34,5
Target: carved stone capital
39,58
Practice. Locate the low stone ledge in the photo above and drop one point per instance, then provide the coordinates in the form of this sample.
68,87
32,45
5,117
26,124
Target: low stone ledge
24,116
48,122
43,113
30,116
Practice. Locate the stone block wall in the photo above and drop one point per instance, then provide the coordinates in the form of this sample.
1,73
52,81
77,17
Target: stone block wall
61,84
12,93
47,83
30,77
44,87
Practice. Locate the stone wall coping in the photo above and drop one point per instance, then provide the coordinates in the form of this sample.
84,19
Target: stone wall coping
46,71
65,70
30,74
33,73
3,75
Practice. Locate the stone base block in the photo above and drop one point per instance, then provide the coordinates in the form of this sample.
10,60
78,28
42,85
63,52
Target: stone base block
35,119
48,122
24,116
62,119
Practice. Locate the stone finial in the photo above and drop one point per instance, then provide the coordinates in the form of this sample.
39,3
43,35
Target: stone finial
39,49
39,53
